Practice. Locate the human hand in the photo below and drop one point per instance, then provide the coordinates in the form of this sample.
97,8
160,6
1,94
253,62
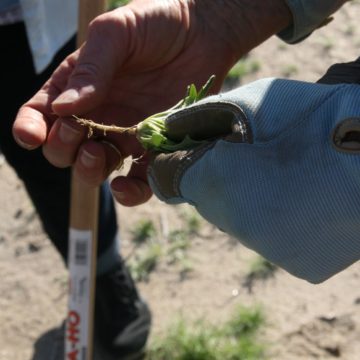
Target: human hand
137,60
282,177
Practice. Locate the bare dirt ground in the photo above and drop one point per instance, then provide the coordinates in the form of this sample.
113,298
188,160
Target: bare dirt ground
303,321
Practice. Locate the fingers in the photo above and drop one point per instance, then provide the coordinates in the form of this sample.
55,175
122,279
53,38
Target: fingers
95,162
133,189
130,191
95,67
67,145
35,118
63,141
79,86
30,128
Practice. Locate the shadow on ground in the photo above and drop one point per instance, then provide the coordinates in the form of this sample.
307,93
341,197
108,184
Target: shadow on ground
50,346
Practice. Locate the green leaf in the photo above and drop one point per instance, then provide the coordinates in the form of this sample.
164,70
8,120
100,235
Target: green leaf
192,95
151,132
206,88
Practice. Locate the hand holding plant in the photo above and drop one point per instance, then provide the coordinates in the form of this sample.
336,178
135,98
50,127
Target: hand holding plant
152,132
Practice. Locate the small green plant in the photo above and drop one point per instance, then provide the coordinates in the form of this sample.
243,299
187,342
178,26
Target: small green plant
260,269
289,70
113,4
192,221
350,30
179,242
144,230
145,262
181,343
245,321
186,267
243,67
327,44
237,339
282,46
152,133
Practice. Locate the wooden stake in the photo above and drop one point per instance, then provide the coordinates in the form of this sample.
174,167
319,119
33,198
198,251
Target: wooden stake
82,239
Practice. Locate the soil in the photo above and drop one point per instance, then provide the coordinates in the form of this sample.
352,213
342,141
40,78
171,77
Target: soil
304,321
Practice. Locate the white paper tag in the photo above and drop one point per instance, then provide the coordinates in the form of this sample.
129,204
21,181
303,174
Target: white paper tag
77,324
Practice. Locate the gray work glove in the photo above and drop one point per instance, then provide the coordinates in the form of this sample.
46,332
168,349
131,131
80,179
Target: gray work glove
282,173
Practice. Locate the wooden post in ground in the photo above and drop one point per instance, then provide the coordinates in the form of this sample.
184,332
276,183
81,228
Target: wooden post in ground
84,209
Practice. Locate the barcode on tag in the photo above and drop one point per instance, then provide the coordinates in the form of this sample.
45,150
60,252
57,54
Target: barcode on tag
81,252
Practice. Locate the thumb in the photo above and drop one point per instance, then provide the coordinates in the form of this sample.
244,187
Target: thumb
93,70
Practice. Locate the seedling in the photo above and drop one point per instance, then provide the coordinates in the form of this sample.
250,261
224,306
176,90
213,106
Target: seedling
327,43
289,70
200,340
245,321
243,67
146,262
192,220
179,243
113,4
260,269
152,132
143,231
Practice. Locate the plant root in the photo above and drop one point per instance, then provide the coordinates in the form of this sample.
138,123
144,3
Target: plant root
92,125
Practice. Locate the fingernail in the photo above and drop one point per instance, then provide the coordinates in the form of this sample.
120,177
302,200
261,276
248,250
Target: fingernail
119,195
28,137
67,97
68,134
24,144
88,160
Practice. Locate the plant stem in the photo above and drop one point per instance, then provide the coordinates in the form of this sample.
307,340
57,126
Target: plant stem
91,125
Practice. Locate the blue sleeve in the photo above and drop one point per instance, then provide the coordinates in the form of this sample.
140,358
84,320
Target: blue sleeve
308,15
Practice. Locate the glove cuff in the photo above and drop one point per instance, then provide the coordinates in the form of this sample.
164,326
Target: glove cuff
206,122
307,17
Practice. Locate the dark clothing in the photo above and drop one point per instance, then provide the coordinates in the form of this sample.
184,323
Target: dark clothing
47,186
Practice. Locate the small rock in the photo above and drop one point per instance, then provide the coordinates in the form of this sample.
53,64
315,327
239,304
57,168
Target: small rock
33,248
334,351
18,213
19,251
328,318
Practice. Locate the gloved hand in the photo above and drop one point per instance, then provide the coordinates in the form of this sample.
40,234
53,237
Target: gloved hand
282,174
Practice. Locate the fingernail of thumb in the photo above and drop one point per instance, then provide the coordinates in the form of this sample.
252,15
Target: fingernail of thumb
24,144
67,97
